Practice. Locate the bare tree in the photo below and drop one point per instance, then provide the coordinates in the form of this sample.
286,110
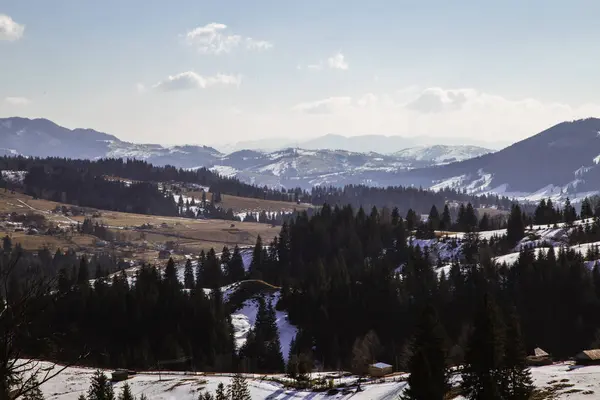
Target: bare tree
25,294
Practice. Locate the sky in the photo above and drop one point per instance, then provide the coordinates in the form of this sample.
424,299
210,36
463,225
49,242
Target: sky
213,72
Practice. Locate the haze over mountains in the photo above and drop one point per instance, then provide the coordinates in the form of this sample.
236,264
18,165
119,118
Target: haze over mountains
559,162
289,167
362,143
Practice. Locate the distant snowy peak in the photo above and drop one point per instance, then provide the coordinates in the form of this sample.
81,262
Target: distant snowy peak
442,154
296,167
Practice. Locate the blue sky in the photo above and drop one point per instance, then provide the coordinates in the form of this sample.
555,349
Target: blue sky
224,71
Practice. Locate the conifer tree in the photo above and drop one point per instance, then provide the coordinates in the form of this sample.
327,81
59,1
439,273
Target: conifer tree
100,389
170,276
239,388
200,282
221,394
483,371
34,393
515,229
434,221
427,366
586,209
126,393
517,383
257,263
569,213
235,267
412,220
188,275
446,221
83,276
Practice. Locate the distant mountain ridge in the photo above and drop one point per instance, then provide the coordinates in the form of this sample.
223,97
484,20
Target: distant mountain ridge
359,144
289,167
559,162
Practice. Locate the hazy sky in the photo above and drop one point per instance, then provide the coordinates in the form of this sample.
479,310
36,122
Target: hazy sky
190,71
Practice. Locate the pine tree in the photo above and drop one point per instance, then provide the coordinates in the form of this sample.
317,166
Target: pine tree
200,280
517,382
239,388
515,230
434,221
482,374
221,394
100,389
170,276
34,392
235,267
126,393
275,357
83,276
427,366
569,213
412,220
446,222
586,209
188,275
257,263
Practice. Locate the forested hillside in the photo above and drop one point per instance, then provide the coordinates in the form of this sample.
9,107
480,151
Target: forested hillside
348,278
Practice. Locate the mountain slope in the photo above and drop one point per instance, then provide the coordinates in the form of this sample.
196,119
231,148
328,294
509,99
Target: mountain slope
558,162
289,167
441,154
44,138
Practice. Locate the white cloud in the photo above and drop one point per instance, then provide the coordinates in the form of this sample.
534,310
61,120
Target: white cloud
433,100
9,29
337,61
214,38
191,80
17,101
325,106
435,112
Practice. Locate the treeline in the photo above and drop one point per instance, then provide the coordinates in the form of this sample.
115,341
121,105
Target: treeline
348,277
137,170
80,187
353,285
405,198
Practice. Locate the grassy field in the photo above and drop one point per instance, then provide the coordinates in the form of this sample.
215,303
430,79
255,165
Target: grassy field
241,204
188,235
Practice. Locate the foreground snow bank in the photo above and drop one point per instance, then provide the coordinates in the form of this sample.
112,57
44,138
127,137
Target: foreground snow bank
178,386
562,381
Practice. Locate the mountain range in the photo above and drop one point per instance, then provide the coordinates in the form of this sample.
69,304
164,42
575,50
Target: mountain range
289,167
359,144
562,161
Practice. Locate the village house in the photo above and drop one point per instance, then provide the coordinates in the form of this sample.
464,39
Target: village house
588,357
380,369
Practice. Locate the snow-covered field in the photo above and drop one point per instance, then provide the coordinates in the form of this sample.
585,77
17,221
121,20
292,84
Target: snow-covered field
178,386
563,380
243,320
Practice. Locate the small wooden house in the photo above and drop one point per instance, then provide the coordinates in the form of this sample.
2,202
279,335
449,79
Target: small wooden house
120,375
538,358
588,357
379,369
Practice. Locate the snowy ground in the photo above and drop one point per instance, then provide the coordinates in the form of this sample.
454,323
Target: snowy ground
243,320
75,381
563,380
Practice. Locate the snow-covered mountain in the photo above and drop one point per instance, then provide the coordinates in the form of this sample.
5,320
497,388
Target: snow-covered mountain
294,167
442,154
562,161
359,144
290,167
44,138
